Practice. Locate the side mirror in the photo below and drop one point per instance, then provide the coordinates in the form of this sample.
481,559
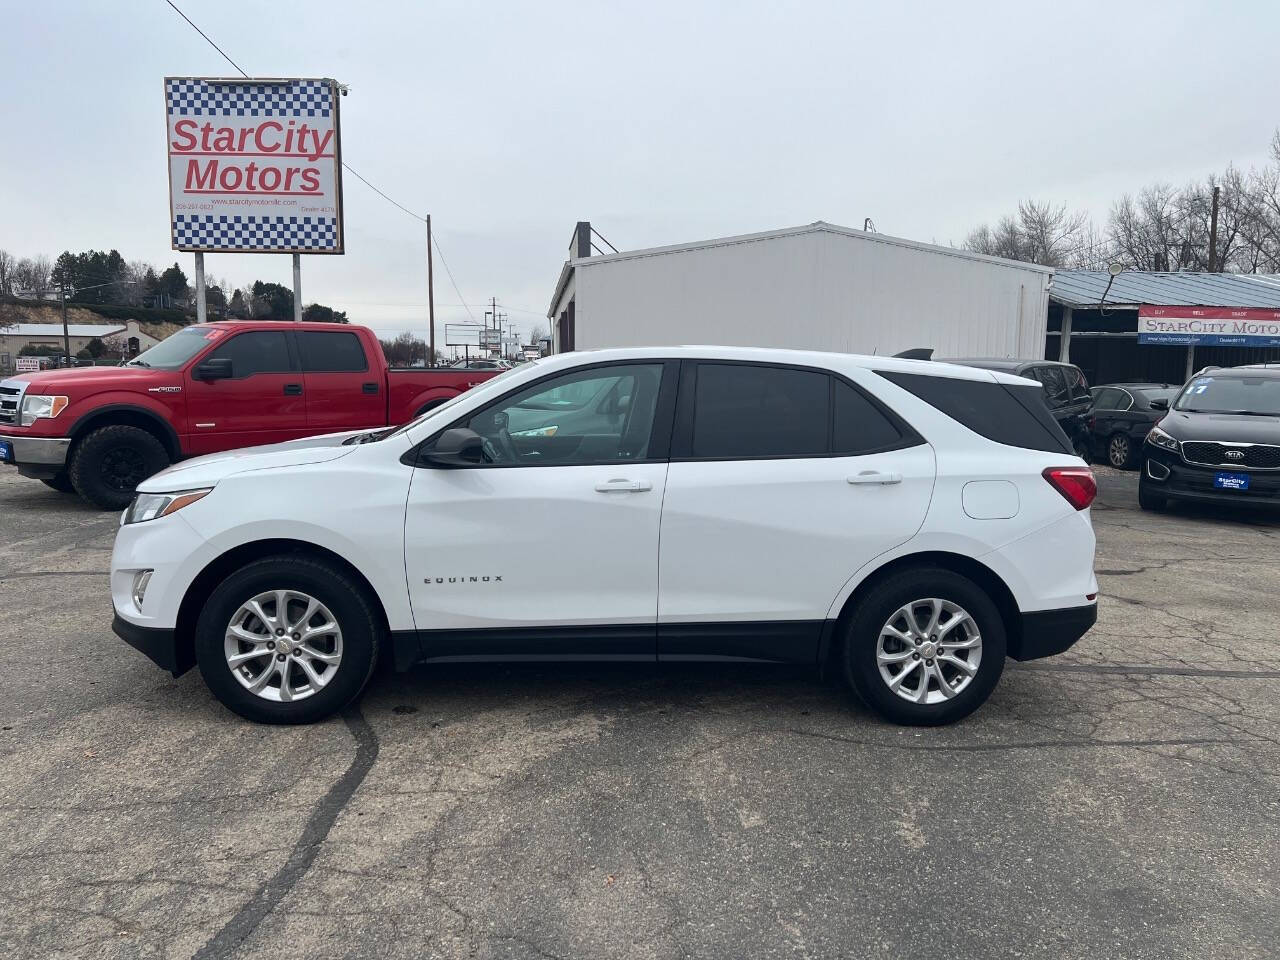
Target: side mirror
456,447
1160,404
217,369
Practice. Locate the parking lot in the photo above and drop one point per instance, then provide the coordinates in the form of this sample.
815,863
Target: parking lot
1121,800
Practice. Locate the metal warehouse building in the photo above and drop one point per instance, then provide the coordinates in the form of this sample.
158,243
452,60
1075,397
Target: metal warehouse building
816,287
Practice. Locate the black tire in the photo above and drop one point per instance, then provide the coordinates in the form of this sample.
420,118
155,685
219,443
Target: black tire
1120,451
60,482
351,608
874,612
1148,499
108,464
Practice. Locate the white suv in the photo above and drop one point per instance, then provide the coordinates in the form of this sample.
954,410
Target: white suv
906,523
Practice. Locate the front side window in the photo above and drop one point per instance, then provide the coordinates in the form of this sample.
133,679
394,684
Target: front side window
258,351
602,415
324,352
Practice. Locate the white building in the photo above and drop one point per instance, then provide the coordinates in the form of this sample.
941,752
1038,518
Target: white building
817,287
131,336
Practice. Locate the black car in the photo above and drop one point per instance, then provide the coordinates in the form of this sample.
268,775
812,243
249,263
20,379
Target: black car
1066,391
1220,442
1122,416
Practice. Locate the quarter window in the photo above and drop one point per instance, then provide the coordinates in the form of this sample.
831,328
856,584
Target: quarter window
324,352
256,351
858,425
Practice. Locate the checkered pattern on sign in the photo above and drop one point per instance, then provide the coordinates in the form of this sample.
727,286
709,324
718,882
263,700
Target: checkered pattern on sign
255,233
199,98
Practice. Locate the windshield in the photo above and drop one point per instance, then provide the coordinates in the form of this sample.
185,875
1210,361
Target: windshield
173,353
1255,396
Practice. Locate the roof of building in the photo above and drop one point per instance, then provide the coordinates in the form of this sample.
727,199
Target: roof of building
55,330
818,226
1084,288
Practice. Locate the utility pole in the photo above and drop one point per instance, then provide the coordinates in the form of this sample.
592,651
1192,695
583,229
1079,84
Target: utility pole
1213,233
431,303
66,332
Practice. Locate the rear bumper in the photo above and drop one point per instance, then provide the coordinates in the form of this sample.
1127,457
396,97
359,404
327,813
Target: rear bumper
1048,632
37,456
159,644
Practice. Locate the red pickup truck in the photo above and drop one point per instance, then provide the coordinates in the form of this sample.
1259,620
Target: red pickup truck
100,431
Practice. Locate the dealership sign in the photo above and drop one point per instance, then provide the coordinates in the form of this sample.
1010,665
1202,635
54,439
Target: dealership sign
1208,326
255,166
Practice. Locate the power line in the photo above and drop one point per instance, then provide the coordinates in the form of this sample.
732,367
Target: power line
346,166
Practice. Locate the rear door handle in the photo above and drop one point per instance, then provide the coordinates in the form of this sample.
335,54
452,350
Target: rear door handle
293,389
871,477
616,486
368,388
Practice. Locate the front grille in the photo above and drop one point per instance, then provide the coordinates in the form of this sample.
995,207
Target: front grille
9,399
1258,456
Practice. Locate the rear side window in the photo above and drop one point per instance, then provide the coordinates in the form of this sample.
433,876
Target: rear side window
858,426
1056,391
1107,399
261,351
1076,383
1006,413
743,412
331,352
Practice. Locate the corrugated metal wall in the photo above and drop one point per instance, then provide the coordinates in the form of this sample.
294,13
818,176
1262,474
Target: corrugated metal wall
819,290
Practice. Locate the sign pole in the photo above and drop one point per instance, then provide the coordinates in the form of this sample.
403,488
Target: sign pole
202,310
297,288
431,304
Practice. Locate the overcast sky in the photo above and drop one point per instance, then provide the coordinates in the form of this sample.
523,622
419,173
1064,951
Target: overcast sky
660,122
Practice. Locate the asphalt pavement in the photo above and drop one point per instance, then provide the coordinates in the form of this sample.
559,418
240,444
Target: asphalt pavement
1122,800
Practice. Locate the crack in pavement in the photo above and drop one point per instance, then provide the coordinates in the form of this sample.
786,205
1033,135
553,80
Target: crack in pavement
240,927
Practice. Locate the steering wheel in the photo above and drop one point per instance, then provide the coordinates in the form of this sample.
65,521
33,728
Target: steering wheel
498,448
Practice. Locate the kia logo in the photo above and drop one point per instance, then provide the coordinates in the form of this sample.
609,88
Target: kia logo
1235,454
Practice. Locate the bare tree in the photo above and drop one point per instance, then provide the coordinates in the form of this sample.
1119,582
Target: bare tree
7,266
1039,233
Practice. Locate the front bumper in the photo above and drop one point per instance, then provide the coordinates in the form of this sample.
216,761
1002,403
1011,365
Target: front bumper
1046,633
37,456
1167,474
159,644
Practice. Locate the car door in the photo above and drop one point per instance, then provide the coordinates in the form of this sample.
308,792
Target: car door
344,389
784,481
1104,416
262,401
549,548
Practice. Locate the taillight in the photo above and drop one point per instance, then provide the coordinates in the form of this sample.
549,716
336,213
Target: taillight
1074,483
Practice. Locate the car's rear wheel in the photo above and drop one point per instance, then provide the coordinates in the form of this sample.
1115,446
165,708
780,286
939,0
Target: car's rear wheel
1120,452
287,639
926,646
1148,499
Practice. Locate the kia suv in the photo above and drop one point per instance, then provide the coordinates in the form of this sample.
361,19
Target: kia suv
903,524
1220,442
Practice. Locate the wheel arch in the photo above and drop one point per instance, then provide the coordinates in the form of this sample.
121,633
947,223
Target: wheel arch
986,578
222,566
123,414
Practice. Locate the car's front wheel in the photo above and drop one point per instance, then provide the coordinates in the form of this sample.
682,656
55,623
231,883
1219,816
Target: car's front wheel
924,647
287,639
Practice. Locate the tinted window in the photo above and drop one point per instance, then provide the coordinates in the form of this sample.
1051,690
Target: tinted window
602,415
744,411
1077,385
331,352
1005,413
1107,399
263,351
858,425
1056,393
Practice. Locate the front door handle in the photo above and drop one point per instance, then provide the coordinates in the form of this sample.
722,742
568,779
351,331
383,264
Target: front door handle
368,388
616,486
293,389
872,477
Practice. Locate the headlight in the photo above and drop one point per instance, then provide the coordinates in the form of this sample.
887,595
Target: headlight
36,406
148,506
1158,438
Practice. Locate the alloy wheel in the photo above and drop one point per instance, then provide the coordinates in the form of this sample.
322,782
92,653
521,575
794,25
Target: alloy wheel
929,650
1118,450
283,645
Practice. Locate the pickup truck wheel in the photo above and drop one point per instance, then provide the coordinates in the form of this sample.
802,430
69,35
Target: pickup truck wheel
60,482
287,639
109,463
925,647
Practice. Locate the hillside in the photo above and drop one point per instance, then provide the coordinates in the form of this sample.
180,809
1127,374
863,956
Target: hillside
52,313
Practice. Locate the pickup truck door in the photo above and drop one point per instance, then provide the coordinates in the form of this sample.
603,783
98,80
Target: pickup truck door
550,547
346,389
261,403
